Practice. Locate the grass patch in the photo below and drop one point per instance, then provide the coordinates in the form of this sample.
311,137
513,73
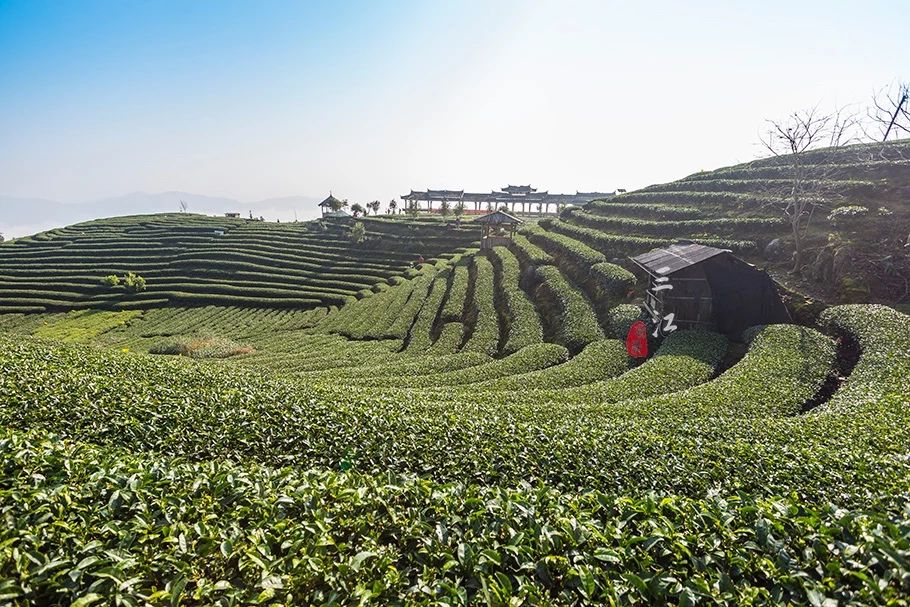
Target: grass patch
201,347
84,325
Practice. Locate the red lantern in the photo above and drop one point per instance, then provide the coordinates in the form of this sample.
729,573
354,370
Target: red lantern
637,340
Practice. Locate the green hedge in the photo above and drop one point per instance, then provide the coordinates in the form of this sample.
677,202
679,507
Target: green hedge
621,317
531,358
522,326
612,283
572,321
786,367
449,340
245,534
598,361
420,338
882,370
684,359
529,254
453,309
563,247
482,318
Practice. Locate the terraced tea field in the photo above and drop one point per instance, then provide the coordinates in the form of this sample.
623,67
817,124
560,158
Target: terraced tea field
198,260
470,430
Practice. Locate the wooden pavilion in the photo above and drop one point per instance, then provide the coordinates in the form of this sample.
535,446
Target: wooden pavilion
498,229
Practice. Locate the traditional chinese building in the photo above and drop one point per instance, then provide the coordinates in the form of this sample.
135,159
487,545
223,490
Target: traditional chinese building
511,197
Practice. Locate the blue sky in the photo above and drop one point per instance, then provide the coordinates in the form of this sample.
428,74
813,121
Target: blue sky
259,99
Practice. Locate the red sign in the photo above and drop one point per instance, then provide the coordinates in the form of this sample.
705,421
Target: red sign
637,340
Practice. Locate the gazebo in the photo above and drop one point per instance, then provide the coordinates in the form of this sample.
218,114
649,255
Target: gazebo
330,204
498,228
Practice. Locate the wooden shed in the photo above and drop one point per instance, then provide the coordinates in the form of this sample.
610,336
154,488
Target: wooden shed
693,286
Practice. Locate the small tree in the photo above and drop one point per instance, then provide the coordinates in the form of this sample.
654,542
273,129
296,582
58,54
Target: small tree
134,282
445,208
459,208
374,206
393,206
809,184
357,209
111,280
358,233
412,209
183,206
890,112
336,205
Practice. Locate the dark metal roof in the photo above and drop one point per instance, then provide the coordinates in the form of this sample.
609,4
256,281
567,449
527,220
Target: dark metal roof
500,217
676,257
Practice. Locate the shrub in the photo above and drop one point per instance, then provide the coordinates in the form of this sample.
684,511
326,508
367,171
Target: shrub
358,233
134,282
611,282
621,317
572,320
482,310
111,280
847,215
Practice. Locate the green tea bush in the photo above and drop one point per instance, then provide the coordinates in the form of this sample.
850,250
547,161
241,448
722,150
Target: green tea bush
449,340
573,320
482,317
598,361
453,309
241,534
612,282
620,319
521,324
529,254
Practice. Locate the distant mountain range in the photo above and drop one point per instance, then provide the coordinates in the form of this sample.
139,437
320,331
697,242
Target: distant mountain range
25,216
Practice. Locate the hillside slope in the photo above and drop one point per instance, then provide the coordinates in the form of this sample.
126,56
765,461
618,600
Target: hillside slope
860,255
200,260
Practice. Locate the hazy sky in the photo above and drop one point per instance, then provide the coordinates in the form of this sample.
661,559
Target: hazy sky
259,99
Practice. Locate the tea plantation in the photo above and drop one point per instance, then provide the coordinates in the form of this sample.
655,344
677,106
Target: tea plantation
287,416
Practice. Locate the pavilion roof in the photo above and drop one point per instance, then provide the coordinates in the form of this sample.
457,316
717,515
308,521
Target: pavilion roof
330,202
498,217
519,189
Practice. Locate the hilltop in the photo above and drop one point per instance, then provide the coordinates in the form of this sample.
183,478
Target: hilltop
24,216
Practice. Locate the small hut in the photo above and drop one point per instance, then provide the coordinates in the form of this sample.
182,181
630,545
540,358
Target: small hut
498,228
232,215
696,286
330,204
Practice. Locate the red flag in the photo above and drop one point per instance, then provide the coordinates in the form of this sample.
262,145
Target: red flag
637,340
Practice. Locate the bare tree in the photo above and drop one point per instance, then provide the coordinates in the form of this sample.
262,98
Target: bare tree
890,112
183,206
807,142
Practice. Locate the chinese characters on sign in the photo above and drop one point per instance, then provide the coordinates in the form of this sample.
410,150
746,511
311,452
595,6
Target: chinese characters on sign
663,325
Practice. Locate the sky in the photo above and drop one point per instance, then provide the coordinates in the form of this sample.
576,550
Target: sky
259,99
